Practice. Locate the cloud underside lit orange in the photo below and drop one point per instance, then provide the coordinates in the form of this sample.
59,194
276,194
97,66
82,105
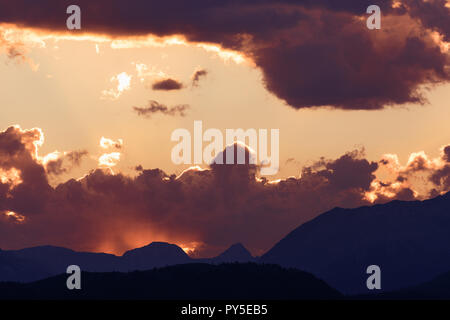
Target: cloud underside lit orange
202,209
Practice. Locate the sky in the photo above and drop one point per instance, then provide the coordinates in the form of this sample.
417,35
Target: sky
87,115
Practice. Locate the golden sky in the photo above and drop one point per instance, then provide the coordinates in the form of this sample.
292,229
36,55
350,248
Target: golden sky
362,114
61,87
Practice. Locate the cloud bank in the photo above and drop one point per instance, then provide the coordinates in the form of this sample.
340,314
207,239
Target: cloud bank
206,209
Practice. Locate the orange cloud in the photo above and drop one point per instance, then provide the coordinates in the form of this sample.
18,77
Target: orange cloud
109,159
202,209
106,143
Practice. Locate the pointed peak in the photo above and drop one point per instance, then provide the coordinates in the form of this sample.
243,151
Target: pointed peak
236,252
237,246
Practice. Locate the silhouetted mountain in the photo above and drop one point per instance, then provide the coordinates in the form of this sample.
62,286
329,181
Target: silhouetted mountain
156,254
190,281
410,241
236,253
37,263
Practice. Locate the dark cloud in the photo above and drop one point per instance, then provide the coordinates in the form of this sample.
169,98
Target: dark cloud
446,153
156,107
197,76
167,85
349,171
433,14
311,53
348,69
26,179
441,176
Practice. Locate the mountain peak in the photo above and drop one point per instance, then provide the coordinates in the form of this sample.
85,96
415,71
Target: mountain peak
157,248
238,247
235,253
156,254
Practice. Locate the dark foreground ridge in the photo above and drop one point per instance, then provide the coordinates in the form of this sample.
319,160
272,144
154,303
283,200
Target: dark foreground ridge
199,281
436,289
248,281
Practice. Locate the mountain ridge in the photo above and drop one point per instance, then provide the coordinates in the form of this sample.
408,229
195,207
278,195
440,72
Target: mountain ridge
407,239
35,263
181,282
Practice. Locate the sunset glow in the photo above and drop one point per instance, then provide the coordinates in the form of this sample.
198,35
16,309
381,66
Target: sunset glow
88,118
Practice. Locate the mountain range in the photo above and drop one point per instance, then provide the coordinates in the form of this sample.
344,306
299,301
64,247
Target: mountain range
36,263
408,240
